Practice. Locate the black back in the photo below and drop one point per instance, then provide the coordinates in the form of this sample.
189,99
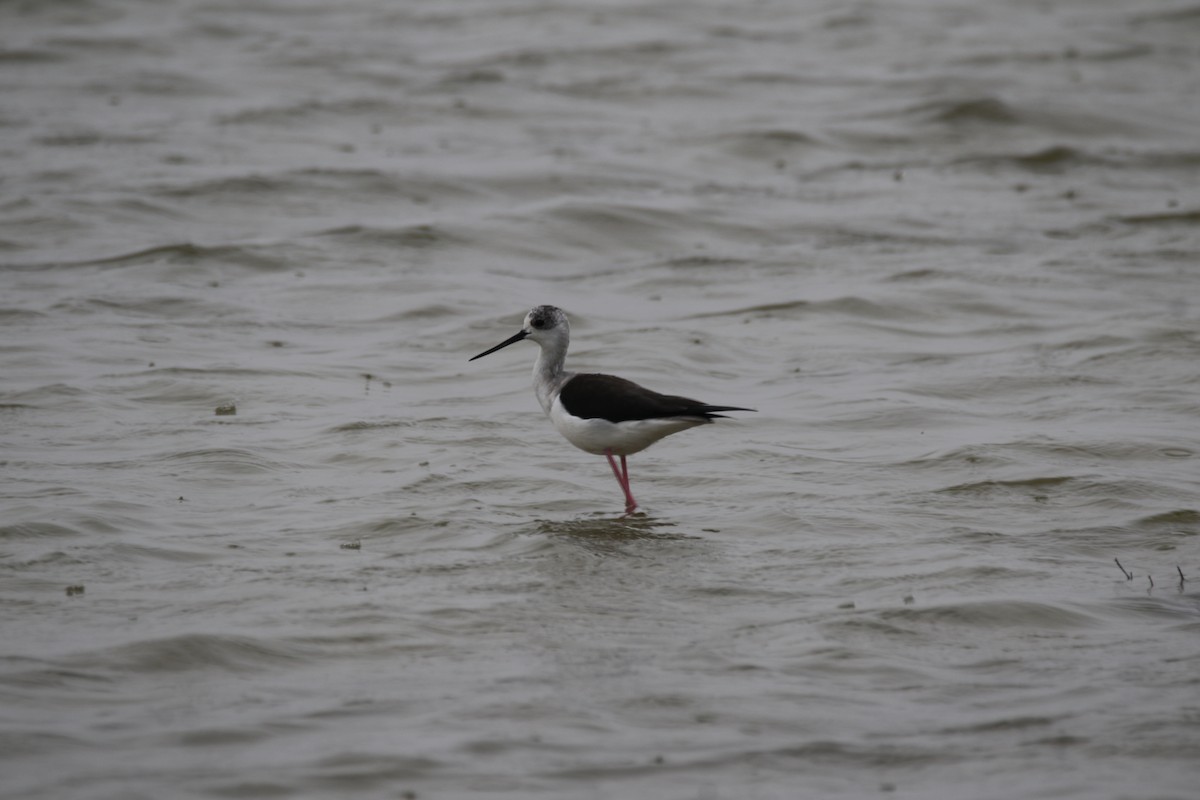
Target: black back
595,396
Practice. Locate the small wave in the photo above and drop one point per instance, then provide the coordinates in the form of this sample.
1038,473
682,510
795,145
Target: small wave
1014,723
704,262
156,307
312,110
30,55
793,758
55,395
195,651
208,737
370,427
851,306
161,83
257,258
919,274
967,111
36,530
84,137
368,184
971,455
100,43
57,559
1186,516
1053,159
1067,54
1058,120
30,742
993,614
173,391
410,236
594,227
989,486
616,219
470,76
1165,607
1058,158
1183,521
1184,17
785,308
1189,218
347,774
129,553
225,460
767,143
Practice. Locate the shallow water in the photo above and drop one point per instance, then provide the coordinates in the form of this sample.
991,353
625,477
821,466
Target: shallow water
948,250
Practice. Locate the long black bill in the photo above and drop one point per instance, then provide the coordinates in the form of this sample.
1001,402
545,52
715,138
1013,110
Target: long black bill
519,336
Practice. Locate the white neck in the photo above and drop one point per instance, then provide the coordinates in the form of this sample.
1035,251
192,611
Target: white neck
548,372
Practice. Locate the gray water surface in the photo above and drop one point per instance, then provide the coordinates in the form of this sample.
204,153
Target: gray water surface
949,250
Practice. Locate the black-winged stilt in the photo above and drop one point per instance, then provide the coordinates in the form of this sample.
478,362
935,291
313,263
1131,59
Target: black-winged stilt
602,414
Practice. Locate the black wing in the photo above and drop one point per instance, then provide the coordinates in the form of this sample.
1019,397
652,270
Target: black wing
594,396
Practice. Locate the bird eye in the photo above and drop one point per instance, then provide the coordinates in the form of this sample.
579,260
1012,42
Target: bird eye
538,323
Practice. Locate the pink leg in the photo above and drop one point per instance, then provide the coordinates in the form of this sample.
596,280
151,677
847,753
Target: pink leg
630,503
622,476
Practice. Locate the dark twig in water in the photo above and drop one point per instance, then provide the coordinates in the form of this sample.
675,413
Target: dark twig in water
1151,579
1182,580
1128,575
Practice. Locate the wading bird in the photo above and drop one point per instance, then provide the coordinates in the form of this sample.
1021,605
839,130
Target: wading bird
602,414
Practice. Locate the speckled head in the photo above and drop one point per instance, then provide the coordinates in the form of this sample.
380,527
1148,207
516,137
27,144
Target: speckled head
545,318
546,325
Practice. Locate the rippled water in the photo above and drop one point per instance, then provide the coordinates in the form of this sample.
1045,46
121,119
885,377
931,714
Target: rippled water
949,250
